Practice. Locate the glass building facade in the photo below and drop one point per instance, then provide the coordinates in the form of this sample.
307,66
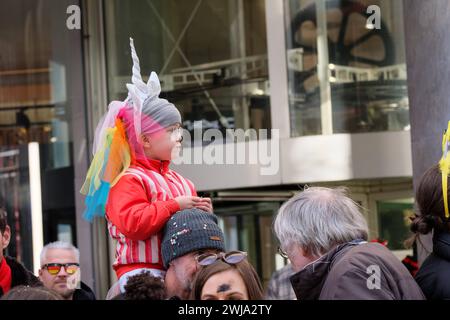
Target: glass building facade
347,71
340,75
38,68
211,57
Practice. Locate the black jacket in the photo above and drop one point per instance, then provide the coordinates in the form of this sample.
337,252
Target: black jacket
344,273
84,293
20,275
434,274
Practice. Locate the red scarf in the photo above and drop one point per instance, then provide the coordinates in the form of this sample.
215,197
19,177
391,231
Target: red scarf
5,276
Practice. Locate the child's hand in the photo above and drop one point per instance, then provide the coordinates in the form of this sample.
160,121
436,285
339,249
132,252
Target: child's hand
189,202
205,205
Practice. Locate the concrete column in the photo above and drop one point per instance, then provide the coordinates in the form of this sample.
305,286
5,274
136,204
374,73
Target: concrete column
427,43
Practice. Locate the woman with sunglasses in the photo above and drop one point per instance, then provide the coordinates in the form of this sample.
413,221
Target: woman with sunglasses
226,276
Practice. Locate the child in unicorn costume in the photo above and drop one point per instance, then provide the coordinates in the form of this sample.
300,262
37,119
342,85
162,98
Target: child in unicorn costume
129,181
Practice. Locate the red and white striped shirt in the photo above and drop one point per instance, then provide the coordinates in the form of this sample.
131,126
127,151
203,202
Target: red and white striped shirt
138,207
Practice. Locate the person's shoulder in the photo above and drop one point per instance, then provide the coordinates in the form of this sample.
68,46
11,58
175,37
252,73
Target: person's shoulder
434,268
432,277
371,252
84,293
361,256
434,260
129,177
367,258
21,275
352,270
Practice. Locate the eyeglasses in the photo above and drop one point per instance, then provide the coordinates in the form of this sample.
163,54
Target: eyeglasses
231,257
282,253
55,268
176,133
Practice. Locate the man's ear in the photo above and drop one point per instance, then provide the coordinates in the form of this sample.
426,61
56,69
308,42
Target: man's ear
6,237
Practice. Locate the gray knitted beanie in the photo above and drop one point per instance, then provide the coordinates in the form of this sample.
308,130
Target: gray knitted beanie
190,230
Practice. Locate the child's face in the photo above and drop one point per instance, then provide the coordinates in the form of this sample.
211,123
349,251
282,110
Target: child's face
164,144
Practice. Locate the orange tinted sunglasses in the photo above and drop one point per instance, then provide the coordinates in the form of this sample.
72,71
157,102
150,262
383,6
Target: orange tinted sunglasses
55,268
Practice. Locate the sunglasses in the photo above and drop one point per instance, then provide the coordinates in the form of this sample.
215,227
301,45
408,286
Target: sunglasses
55,268
231,257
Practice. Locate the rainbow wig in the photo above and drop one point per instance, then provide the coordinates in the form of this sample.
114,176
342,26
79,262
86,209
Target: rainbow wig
117,141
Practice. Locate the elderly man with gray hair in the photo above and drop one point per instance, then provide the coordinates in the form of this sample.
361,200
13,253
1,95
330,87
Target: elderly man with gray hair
324,234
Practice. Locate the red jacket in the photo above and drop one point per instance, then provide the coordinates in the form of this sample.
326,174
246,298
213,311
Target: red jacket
138,207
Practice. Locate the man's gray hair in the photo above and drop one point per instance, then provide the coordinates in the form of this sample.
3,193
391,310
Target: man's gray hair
318,219
59,245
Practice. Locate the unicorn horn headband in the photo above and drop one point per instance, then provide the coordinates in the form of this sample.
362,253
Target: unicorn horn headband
145,99
138,91
444,165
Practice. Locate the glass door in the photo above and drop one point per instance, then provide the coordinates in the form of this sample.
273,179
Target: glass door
248,227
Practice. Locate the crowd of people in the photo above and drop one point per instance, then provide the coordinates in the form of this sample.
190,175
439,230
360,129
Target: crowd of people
169,245
321,231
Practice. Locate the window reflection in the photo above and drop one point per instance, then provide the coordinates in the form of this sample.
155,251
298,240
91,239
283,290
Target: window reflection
34,108
366,67
211,57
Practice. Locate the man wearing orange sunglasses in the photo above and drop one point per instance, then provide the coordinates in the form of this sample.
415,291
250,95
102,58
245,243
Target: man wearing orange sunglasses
60,271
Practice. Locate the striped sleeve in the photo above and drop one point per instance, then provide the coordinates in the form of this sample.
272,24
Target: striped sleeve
134,215
188,186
